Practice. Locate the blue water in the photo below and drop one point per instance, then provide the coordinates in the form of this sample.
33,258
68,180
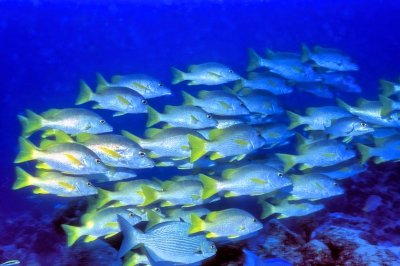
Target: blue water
46,47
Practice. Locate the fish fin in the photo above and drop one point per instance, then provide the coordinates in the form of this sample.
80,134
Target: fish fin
209,186
130,236
239,157
288,160
110,152
187,98
365,152
130,136
166,204
116,78
228,173
152,132
197,224
153,116
295,120
83,137
153,218
233,236
198,147
254,60
85,93
230,194
46,143
28,151
111,235
62,137
267,209
150,195
387,87
343,105
103,197
215,156
73,233
387,105
348,139
379,160
177,75
119,114
31,123
304,166
24,179
89,239
305,56
72,159
40,190
212,235
97,106
43,166
102,84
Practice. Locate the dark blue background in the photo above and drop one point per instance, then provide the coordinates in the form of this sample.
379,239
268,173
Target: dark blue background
47,46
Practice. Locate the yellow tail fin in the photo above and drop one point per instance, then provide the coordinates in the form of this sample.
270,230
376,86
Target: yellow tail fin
28,151
85,94
197,224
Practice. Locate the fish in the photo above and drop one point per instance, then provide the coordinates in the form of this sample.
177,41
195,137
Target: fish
316,89
237,140
119,99
389,88
386,149
55,183
340,81
348,127
186,193
229,223
217,102
133,259
388,105
332,59
116,150
320,153
182,116
69,120
372,203
10,262
167,242
126,193
254,260
273,84
147,86
70,158
286,209
260,102
317,118
169,142
275,134
97,224
341,171
314,187
205,74
288,67
250,179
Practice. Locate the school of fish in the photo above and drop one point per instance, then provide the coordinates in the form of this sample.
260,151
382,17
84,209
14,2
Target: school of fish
231,137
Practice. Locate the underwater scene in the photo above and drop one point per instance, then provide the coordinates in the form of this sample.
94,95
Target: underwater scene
204,132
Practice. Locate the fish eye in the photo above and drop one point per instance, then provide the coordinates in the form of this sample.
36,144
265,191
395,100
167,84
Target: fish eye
144,101
241,104
280,174
209,116
98,161
230,71
160,84
212,246
156,209
102,121
130,214
254,220
88,184
363,124
142,154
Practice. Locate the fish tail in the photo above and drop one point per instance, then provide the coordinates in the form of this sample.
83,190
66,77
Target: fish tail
387,105
153,218
153,116
288,160
305,56
27,152
24,179
387,87
209,186
267,209
178,76
62,137
103,197
130,236
198,147
101,82
85,93
150,195
295,119
187,98
31,123
365,152
343,105
254,60
130,136
73,233
197,224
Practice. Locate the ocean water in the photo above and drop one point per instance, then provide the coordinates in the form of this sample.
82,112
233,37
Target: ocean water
47,47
